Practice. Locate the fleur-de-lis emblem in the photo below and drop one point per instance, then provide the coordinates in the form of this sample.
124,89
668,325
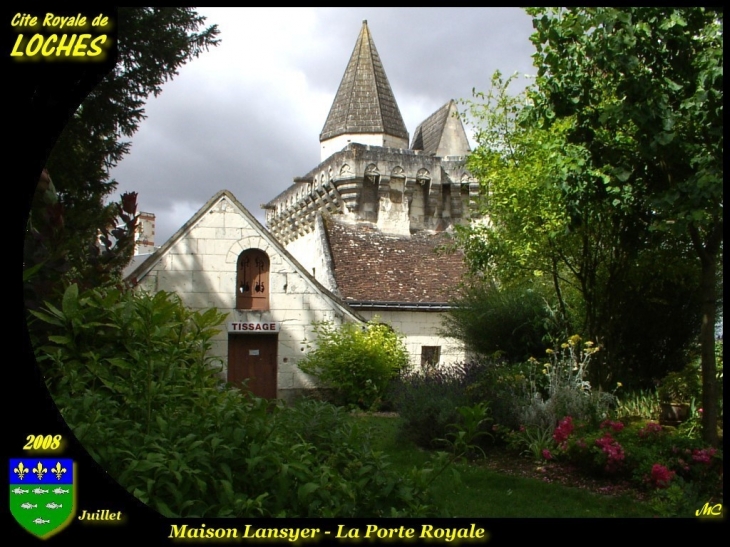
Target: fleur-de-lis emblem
58,470
21,471
39,470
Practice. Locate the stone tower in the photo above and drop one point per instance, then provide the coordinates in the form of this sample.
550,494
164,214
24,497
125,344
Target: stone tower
368,173
364,109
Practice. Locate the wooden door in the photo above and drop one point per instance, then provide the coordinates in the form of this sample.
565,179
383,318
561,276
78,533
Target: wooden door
252,357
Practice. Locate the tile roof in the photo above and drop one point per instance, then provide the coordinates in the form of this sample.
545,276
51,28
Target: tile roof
374,267
364,102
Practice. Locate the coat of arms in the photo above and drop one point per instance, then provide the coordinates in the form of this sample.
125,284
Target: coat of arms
42,494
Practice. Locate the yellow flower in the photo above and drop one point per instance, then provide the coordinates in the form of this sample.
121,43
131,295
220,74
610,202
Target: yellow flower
549,351
573,340
589,344
619,384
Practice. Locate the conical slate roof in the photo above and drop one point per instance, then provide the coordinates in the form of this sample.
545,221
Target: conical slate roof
364,102
442,133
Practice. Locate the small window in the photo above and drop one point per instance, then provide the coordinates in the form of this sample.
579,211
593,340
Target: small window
252,281
430,356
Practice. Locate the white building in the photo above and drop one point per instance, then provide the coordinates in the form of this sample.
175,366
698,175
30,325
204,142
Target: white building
355,238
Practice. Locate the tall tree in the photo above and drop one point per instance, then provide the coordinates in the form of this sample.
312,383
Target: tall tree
645,90
87,240
546,227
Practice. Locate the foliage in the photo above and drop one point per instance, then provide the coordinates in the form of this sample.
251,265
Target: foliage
568,392
641,91
463,440
427,403
635,294
45,253
643,403
133,378
535,441
492,488
357,362
63,234
681,386
512,322
651,456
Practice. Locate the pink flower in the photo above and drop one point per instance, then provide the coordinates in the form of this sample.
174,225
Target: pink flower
616,426
651,427
661,476
546,454
704,455
563,431
612,449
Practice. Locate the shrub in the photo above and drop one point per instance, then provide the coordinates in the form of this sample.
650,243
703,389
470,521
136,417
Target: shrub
569,393
427,403
513,322
504,387
648,454
132,376
357,362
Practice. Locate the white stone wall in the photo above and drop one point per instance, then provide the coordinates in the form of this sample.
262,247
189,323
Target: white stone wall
201,268
421,328
311,252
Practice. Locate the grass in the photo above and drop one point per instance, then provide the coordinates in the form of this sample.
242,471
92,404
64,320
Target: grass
471,490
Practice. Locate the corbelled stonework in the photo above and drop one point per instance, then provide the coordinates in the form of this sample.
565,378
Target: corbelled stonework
401,191
368,173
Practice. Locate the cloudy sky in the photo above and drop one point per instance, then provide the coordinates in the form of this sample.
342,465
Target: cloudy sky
246,116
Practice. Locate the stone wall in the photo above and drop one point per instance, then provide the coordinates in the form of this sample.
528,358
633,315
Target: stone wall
201,268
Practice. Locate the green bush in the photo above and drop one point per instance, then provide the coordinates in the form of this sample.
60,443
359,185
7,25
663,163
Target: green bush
356,362
132,376
651,456
434,403
512,322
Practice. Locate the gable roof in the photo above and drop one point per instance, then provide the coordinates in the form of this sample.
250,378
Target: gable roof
442,133
364,102
138,273
390,271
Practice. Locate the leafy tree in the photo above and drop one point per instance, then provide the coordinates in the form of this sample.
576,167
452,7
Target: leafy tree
65,228
642,89
543,229
356,361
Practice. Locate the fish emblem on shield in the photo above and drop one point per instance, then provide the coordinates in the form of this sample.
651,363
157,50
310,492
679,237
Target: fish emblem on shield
42,494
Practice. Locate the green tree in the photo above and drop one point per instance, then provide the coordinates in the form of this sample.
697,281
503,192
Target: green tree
544,229
643,91
68,218
356,361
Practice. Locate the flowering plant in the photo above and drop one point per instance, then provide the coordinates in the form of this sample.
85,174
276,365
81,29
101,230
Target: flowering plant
660,476
563,431
614,452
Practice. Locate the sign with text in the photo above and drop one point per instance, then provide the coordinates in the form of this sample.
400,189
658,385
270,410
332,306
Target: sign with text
254,327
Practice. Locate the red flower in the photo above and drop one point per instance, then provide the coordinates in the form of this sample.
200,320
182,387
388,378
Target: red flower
704,455
661,476
563,431
546,454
